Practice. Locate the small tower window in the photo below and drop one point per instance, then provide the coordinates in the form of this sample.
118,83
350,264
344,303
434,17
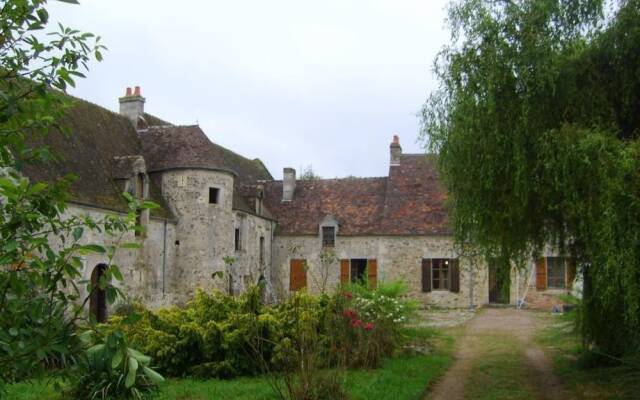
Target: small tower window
237,239
214,194
328,236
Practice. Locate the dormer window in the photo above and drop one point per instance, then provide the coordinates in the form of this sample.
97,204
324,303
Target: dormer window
328,236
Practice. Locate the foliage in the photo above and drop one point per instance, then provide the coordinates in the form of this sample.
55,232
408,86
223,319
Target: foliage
300,354
307,174
210,337
373,322
406,376
585,373
320,276
111,369
41,246
536,128
217,335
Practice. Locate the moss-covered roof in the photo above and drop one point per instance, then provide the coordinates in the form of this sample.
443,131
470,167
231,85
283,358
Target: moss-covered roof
96,138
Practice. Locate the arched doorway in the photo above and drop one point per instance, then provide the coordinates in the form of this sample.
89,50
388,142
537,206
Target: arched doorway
98,300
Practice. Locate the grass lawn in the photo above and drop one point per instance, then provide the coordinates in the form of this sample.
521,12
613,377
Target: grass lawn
580,371
404,377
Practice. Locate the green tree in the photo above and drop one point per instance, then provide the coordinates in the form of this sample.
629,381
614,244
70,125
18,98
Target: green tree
536,124
41,246
307,174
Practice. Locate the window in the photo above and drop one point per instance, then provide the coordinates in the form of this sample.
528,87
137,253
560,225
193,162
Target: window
261,250
328,236
440,272
139,189
213,195
358,270
237,239
555,272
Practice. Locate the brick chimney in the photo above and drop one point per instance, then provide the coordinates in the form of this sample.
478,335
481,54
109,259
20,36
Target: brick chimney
288,183
132,105
395,150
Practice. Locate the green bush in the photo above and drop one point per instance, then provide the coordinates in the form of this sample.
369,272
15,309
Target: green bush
111,370
221,336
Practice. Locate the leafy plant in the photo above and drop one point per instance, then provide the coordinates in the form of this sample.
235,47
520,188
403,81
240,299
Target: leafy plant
110,369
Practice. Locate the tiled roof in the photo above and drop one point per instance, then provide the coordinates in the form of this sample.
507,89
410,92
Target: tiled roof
175,147
415,199
411,201
97,138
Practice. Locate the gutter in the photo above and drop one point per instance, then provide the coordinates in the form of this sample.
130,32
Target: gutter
164,254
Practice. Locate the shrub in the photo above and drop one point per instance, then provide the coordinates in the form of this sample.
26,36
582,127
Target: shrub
372,321
216,335
111,369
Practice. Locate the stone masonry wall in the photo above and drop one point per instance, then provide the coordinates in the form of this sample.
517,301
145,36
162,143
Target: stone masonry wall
398,257
142,268
247,266
204,232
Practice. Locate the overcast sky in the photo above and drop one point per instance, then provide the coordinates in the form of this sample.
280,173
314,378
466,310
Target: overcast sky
293,83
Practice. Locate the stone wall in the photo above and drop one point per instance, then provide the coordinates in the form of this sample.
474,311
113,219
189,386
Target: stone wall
247,267
204,232
398,257
142,268
205,235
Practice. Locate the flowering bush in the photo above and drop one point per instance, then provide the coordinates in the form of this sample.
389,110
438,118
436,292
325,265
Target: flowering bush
372,322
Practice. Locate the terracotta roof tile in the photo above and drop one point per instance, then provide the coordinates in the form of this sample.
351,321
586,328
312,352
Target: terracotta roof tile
411,201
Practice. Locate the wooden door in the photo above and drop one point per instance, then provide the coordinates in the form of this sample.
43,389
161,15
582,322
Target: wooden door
498,286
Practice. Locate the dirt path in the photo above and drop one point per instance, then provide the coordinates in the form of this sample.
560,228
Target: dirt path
497,358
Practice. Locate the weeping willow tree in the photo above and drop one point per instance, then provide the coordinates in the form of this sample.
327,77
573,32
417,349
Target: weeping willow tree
537,125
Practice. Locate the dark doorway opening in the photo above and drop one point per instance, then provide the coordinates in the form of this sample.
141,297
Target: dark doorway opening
98,300
358,270
498,285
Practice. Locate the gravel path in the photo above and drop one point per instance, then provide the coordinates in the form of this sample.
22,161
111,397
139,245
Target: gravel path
494,324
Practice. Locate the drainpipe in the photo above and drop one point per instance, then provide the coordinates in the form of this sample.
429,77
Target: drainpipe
164,254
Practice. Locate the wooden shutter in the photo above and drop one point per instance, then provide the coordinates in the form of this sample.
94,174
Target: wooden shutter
570,264
297,275
541,274
372,271
344,271
454,274
426,275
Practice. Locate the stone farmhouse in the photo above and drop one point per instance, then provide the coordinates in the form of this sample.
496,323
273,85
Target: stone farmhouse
222,212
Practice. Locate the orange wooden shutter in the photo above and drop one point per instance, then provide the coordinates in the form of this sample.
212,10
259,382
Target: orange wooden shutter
571,271
372,270
454,285
344,271
297,275
541,274
426,275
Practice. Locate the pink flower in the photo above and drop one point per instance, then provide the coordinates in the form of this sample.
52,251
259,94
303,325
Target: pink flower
349,314
356,323
369,326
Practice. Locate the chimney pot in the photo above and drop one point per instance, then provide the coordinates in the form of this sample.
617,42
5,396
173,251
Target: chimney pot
396,139
132,106
288,184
